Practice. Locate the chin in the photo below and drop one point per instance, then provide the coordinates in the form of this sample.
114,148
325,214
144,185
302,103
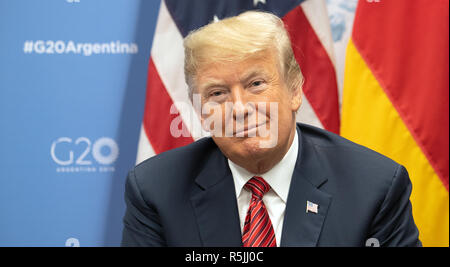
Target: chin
251,143
246,149
251,148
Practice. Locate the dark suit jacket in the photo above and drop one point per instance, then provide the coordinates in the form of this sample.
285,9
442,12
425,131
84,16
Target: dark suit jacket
186,197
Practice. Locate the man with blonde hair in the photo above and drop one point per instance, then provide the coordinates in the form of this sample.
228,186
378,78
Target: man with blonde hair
261,179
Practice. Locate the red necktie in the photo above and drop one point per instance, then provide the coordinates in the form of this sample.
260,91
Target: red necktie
258,229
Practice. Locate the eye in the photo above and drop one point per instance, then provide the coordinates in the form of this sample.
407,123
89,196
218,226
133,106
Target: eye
216,93
257,83
257,86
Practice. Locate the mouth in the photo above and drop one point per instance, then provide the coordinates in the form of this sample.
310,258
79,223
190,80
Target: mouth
249,131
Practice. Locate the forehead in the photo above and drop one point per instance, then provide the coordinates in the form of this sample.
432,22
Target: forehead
260,64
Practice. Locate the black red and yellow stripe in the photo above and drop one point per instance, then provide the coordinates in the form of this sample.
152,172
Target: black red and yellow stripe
396,99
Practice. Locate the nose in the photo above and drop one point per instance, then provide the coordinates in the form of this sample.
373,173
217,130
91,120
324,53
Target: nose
240,108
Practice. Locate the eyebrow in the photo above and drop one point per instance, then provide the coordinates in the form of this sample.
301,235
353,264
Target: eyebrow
252,73
212,83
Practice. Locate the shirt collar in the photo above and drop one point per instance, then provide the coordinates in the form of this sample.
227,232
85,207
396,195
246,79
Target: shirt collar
279,177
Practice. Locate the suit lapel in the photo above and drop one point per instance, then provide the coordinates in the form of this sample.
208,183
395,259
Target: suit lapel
301,228
215,204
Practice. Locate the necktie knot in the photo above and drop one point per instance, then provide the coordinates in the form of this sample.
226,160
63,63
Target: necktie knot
258,186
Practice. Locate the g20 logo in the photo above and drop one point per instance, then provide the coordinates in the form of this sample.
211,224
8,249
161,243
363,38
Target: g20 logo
96,149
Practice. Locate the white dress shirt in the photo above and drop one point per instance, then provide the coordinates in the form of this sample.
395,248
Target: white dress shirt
279,179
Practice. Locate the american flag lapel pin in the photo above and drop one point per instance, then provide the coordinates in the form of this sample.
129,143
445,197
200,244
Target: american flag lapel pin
311,207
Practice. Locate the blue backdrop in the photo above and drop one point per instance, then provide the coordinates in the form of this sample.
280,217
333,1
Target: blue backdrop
72,88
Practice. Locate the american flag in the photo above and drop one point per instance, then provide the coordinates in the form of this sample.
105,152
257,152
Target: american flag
167,100
311,207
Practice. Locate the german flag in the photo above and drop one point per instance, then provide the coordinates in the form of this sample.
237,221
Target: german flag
396,98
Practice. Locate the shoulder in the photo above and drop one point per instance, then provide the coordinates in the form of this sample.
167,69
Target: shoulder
349,160
370,192
178,157
173,167
323,140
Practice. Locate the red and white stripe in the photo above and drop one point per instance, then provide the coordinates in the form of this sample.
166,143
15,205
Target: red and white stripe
167,93
258,229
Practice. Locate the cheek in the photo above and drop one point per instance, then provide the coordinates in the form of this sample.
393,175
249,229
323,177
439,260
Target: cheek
279,100
282,115
211,117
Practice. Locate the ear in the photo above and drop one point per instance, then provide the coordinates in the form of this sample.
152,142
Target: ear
296,99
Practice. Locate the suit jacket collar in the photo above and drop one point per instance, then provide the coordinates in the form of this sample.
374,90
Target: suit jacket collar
308,164
213,171
216,210
302,228
215,205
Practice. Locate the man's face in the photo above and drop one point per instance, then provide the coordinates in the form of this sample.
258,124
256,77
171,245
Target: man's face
247,106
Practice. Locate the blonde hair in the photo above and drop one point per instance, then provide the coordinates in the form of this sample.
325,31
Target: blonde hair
237,38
